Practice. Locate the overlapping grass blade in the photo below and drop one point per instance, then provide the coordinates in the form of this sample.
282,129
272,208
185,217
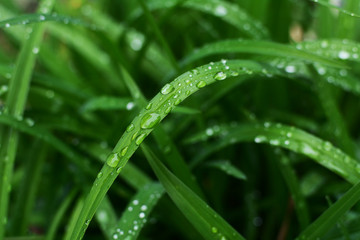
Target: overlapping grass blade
293,184
55,223
108,103
137,212
36,18
176,161
228,168
209,224
294,139
171,95
228,12
47,137
330,217
327,4
343,49
258,47
106,217
16,99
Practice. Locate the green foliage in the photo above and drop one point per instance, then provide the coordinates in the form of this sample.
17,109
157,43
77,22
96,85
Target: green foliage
246,112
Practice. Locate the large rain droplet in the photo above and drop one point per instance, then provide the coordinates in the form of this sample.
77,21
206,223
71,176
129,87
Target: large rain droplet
167,89
149,120
220,76
113,160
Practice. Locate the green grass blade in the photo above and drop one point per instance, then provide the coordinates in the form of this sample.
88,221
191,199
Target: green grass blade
258,47
208,223
142,125
326,4
36,18
74,216
91,52
137,212
228,12
343,49
108,103
15,105
131,174
332,111
293,184
55,223
106,217
159,35
175,161
24,203
228,168
291,138
44,135
330,217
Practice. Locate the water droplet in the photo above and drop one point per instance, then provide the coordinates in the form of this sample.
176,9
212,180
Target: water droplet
149,120
177,102
140,139
100,174
42,17
234,74
260,139
87,222
124,151
141,215
29,122
143,208
167,89
343,54
308,150
115,236
220,76
274,142
7,25
130,106
134,136
118,170
214,229
201,84
327,146
130,127
35,50
290,69
167,110
148,107
209,131
113,160
187,92
135,202
220,11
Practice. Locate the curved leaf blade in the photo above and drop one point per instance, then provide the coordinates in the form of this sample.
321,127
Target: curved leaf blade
209,224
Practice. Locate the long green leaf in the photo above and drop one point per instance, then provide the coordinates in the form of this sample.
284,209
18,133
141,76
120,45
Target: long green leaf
228,12
330,217
209,224
258,47
160,106
15,105
294,139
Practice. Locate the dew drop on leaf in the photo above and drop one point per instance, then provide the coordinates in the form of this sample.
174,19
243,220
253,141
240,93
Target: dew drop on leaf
130,127
168,88
201,84
140,139
113,160
220,76
149,120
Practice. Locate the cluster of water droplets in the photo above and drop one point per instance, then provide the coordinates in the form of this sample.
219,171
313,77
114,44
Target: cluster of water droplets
342,49
321,151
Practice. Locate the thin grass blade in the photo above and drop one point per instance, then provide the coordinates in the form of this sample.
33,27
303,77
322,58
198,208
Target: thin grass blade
209,224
